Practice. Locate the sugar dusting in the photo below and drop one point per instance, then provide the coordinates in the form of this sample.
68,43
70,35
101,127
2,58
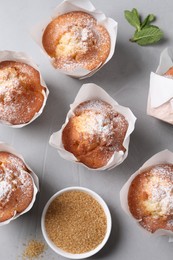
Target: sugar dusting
12,178
150,197
85,44
5,188
34,249
18,97
162,189
76,41
101,123
10,90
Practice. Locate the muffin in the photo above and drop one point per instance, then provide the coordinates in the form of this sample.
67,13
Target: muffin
75,40
160,96
150,198
94,133
169,73
21,93
16,186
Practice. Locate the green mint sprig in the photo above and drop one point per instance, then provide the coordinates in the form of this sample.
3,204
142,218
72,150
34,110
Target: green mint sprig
145,33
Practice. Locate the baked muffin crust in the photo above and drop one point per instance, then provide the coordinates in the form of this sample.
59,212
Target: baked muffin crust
169,72
21,95
150,197
75,40
94,133
16,186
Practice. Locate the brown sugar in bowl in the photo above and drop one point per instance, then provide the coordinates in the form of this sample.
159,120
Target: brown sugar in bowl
21,92
76,222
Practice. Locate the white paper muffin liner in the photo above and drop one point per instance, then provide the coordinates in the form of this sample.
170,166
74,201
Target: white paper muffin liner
160,98
91,91
85,6
24,58
162,157
7,148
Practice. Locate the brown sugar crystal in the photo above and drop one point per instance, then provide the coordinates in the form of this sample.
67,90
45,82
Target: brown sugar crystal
76,222
33,249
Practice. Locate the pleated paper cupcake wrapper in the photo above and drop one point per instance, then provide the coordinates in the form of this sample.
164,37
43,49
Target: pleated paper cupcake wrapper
160,98
162,157
85,6
91,91
7,148
24,58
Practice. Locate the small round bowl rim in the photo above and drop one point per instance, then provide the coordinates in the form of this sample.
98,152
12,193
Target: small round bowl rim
89,253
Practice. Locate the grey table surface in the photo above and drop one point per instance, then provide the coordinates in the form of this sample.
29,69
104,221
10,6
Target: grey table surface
126,79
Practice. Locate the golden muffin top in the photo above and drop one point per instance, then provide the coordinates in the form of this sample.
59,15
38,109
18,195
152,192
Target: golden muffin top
75,40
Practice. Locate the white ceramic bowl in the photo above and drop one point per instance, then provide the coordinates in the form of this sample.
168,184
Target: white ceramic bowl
83,255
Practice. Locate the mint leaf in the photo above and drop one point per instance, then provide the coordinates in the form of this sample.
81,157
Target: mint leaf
133,18
150,18
135,12
146,36
145,33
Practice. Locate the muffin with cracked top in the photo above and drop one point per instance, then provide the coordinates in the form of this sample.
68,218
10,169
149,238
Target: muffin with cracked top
16,186
150,198
21,92
75,40
94,133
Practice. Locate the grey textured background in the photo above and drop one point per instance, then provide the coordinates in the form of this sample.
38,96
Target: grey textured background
126,79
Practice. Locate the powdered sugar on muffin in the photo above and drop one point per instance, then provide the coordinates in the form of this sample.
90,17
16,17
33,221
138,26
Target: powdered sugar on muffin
94,133
75,40
150,197
21,95
16,186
